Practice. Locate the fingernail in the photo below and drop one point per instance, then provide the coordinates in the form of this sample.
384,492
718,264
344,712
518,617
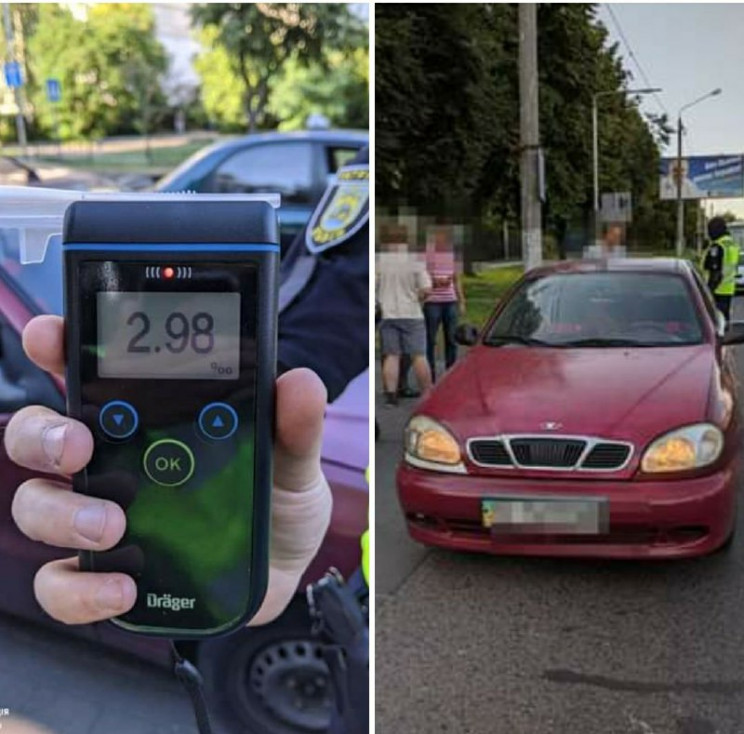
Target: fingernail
53,442
110,597
90,521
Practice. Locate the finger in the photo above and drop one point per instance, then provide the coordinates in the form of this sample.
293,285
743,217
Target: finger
43,342
40,439
48,512
74,597
300,407
301,500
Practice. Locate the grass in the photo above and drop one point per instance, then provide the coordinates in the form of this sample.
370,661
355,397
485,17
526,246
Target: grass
484,290
162,159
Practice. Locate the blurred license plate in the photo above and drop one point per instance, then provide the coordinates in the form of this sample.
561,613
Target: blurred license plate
545,515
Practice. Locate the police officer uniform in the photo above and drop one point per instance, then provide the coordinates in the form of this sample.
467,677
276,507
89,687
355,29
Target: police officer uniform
324,284
720,264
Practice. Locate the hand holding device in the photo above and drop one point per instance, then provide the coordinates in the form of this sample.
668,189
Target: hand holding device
45,510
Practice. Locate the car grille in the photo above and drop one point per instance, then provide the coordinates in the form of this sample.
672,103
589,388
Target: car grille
606,456
547,452
540,452
490,452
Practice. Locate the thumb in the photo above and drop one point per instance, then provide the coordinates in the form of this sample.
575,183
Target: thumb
300,407
301,501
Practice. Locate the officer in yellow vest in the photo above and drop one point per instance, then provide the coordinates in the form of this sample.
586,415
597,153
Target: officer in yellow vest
720,263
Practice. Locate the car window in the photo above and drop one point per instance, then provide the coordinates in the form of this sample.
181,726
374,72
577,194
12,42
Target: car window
339,156
284,168
600,309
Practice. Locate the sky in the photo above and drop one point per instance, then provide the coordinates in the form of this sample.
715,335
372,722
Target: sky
689,49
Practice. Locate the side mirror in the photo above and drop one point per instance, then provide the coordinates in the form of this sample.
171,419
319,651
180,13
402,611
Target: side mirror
720,324
734,334
466,335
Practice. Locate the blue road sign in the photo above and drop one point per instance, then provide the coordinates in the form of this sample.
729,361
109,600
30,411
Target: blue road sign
704,177
13,76
53,90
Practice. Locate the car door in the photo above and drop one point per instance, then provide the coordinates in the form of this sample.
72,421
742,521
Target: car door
289,168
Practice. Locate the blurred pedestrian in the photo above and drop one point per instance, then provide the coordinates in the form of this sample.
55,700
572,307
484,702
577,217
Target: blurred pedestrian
720,264
612,244
445,300
402,284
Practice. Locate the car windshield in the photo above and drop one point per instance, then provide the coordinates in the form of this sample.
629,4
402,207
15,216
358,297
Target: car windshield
39,283
599,310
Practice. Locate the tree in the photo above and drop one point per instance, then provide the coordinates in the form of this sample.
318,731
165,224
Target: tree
257,40
448,118
337,89
107,64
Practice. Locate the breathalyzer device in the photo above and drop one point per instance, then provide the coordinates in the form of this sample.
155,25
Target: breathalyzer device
170,318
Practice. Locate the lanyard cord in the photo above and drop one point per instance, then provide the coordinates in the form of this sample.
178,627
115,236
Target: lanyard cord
194,685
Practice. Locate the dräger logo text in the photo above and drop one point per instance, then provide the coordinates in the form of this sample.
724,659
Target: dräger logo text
166,601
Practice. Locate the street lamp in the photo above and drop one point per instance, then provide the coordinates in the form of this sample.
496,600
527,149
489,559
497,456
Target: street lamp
680,202
595,138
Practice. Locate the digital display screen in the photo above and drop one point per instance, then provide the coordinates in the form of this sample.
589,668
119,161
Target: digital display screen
169,336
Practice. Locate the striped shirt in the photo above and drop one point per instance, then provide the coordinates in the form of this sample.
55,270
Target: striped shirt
441,268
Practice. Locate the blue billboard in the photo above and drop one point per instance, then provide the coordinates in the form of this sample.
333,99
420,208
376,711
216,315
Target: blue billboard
703,177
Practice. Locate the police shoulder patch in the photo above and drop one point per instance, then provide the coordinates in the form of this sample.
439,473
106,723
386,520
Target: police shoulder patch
343,210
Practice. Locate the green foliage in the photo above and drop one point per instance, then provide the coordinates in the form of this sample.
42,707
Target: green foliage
447,122
108,66
255,46
337,89
483,291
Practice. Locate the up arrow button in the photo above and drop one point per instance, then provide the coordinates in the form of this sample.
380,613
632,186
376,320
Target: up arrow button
218,421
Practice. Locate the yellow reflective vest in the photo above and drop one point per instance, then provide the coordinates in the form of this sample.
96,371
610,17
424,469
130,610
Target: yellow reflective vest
727,286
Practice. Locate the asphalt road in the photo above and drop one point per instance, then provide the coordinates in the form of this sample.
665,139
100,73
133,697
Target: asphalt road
69,686
474,644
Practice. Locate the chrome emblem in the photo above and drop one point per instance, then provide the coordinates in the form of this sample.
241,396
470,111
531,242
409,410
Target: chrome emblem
551,426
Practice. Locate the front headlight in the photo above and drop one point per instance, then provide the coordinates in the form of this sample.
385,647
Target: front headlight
686,448
430,445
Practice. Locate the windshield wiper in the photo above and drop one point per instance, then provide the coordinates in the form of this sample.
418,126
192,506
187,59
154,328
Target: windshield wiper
602,342
497,341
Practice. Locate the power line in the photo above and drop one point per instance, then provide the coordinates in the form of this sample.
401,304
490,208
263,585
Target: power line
632,55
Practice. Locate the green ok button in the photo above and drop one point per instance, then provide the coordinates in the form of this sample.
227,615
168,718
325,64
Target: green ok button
168,462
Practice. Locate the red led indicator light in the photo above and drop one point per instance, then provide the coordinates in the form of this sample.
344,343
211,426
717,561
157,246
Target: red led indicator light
168,272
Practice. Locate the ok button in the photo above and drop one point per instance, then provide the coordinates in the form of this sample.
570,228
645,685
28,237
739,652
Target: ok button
168,462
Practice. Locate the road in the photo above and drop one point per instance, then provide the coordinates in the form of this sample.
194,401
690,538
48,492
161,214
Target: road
474,644
74,687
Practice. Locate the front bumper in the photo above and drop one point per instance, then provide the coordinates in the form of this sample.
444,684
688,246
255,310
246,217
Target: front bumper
662,519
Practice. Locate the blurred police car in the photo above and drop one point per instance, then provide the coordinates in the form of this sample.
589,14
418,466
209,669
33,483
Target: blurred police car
297,165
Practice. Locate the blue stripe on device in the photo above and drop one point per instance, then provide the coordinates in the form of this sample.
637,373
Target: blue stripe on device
185,247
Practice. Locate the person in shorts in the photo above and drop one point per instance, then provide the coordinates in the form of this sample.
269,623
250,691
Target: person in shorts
402,284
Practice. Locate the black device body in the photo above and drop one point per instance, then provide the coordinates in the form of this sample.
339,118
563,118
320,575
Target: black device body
170,310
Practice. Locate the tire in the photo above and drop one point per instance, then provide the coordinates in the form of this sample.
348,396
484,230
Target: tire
271,679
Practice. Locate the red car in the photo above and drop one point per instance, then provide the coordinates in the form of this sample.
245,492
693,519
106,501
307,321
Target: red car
268,680
596,415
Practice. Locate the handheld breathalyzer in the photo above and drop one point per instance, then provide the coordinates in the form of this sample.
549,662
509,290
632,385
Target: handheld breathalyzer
170,317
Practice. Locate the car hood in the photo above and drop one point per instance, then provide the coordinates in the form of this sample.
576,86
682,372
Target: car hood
630,394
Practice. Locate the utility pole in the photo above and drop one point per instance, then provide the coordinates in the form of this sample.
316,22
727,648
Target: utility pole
20,121
679,245
680,202
529,135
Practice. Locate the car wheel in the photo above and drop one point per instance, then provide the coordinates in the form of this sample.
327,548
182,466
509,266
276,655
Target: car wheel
270,679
